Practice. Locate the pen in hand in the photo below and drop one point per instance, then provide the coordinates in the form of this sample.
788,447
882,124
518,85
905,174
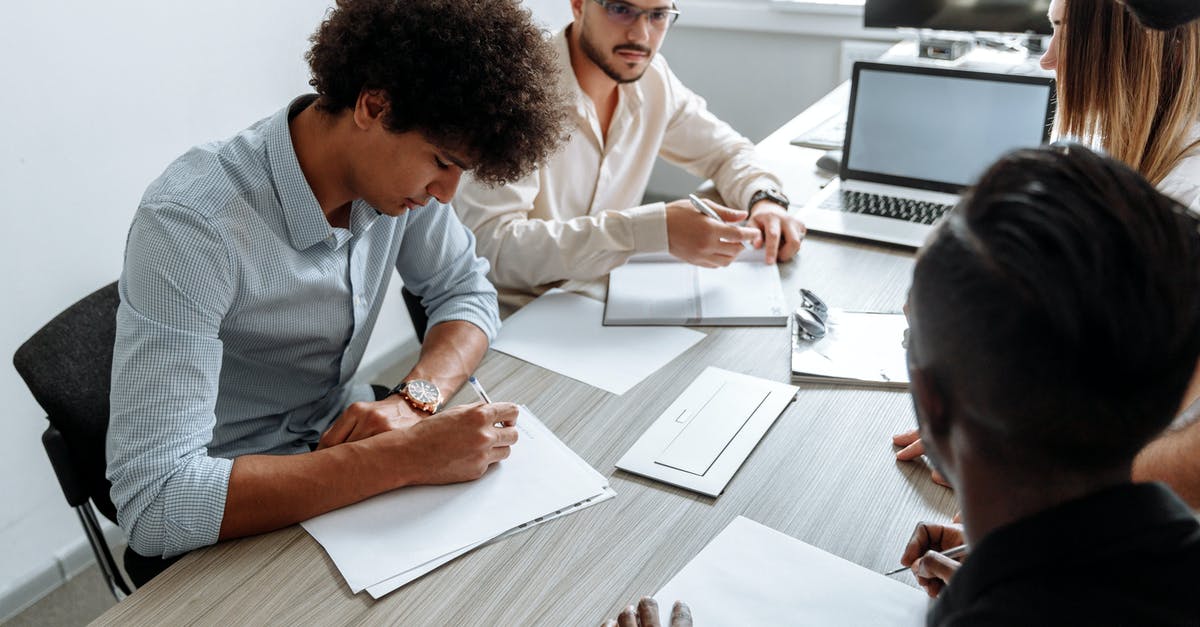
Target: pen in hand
479,391
483,396
954,552
703,208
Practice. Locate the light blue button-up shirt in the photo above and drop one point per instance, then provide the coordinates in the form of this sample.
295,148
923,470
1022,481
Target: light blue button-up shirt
243,318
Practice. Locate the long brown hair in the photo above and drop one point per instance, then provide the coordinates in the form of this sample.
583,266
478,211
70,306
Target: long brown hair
1132,91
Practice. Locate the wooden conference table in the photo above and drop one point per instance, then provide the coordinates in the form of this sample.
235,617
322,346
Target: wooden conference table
824,473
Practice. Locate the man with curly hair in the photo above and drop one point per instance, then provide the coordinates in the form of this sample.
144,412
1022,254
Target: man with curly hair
256,266
580,214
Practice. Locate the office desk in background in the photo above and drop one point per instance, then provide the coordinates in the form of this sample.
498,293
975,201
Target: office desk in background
824,473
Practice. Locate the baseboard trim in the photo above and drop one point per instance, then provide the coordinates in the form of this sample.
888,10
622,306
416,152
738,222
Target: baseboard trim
60,568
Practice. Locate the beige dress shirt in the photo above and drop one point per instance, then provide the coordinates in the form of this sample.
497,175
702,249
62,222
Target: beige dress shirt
579,215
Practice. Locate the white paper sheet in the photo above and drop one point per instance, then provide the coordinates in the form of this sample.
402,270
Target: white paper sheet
390,585
402,530
751,574
563,332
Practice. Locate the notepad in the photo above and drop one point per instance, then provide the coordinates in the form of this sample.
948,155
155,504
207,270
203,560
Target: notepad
751,574
393,538
859,348
661,290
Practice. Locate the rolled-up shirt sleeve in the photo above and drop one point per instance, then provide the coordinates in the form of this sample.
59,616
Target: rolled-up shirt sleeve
527,252
175,291
438,263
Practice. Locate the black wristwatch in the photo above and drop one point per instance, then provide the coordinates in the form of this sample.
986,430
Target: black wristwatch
772,194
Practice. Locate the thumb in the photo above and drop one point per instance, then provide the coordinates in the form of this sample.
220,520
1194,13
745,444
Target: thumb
934,565
727,214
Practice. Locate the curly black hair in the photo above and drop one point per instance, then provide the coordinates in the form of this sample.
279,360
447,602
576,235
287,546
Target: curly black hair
473,75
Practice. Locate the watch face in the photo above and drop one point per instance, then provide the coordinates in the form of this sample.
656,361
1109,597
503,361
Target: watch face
423,392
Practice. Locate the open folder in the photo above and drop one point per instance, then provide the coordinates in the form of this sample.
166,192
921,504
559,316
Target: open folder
391,539
661,290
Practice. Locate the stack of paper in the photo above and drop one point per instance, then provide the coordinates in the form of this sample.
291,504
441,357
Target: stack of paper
661,290
751,574
389,540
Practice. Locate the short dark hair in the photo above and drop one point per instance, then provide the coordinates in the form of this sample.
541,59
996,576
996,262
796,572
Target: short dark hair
473,75
1059,306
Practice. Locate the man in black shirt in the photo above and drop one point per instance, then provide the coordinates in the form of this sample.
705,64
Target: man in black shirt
1055,322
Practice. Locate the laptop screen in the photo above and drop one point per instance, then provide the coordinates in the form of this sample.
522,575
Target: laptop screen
939,129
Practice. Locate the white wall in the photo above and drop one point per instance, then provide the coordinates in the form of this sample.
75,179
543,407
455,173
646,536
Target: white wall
95,99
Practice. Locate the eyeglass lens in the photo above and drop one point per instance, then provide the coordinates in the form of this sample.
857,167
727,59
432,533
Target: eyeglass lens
625,15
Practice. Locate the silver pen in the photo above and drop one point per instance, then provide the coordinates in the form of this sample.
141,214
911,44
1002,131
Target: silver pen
955,552
479,391
703,208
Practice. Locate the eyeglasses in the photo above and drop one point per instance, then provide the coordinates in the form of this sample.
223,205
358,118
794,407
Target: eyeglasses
811,316
625,14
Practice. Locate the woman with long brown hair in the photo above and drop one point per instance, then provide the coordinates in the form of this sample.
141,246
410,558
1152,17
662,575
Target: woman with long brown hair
1129,90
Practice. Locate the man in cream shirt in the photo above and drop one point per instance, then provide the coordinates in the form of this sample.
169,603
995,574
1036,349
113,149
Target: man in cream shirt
579,215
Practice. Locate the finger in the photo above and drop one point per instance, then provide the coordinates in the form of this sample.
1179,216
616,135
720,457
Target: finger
338,432
506,436
911,452
772,233
924,538
725,252
939,479
793,234
500,413
957,518
906,438
499,453
681,615
648,612
627,617
728,214
934,565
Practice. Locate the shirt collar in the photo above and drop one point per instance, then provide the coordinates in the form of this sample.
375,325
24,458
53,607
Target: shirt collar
306,223
1083,529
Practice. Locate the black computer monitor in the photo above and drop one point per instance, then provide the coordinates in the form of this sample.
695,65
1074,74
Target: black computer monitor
1005,16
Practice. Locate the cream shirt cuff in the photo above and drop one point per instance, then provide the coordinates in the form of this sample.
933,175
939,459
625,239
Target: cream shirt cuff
649,227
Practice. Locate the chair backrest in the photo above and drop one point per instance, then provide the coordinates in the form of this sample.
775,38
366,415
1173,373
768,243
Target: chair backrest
416,312
67,365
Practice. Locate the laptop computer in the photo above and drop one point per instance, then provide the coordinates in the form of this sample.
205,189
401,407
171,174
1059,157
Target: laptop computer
916,136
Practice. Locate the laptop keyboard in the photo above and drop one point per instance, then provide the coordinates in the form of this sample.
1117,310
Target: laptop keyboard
907,209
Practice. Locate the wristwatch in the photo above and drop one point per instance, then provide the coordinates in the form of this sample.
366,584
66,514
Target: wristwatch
419,393
772,194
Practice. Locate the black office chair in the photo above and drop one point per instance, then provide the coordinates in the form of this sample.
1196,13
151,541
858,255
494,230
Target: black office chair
416,311
67,365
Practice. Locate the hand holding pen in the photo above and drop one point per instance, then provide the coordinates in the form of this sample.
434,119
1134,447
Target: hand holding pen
933,549
483,396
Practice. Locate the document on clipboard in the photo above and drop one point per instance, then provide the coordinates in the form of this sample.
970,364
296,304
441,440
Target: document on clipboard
859,348
702,439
